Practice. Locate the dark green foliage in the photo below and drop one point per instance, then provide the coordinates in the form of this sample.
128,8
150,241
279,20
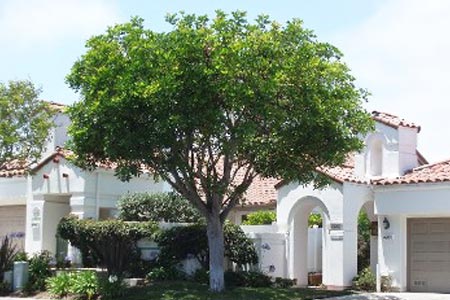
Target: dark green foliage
168,207
24,122
201,276
112,288
163,273
284,283
21,256
7,253
181,242
364,229
39,271
111,242
247,279
5,288
262,217
365,281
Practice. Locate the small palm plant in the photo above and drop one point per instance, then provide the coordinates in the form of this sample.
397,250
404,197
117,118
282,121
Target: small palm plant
8,251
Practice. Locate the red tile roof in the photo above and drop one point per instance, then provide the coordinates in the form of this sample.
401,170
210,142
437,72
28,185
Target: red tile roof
13,168
392,121
261,192
431,173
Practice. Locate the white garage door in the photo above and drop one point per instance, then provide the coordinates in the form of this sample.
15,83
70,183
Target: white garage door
12,223
429,255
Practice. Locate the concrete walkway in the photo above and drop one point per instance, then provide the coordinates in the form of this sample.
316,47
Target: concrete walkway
395,296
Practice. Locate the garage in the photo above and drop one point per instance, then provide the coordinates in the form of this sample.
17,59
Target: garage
12,223
429,255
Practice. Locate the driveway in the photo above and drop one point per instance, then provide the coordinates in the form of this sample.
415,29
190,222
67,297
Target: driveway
395,296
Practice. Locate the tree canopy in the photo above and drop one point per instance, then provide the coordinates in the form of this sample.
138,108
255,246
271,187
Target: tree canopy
212,104
24,122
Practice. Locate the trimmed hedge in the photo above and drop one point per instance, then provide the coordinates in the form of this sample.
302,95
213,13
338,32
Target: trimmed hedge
179,243
167,207
110,243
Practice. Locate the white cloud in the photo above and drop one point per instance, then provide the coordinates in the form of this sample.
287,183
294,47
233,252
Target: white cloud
29,22
402,55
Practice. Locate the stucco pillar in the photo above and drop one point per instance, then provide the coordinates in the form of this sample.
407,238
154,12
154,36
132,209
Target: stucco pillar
298,253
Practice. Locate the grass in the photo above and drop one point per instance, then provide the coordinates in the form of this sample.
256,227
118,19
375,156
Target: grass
193,291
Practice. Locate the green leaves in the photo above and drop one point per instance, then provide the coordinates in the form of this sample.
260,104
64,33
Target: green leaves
158,207
25,122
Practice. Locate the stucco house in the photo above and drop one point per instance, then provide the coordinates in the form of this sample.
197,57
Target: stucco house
406,198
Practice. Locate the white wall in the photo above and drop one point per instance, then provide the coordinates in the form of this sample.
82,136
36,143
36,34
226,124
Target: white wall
13,191
397,204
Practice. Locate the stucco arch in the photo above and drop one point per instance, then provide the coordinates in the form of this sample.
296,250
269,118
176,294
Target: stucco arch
375,145
298,235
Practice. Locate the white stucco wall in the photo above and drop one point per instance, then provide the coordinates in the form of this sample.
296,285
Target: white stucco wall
397,204
13,191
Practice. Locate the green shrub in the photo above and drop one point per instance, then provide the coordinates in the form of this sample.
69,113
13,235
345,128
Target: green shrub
201,276
60,285
315,219
39,270
247,279
5,288
163,273
168,207
21,256
284,283
365,281
386,283
7,253
262,217
181,242
85,284
112,242
364,225
112,287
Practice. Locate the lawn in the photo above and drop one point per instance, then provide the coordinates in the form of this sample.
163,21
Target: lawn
193,291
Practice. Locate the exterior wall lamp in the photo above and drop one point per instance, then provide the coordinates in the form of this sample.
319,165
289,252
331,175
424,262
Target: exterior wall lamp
386,223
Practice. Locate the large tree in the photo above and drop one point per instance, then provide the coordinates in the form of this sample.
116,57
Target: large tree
24,122
212,104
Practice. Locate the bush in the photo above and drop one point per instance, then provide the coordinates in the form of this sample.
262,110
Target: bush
85,284
201,276
284,283
315,220
21,256
247,279
168,207
112,287
163,273
7,253
60,285
365,281
364,225
181,242
262,217
112,243
39,271
5,288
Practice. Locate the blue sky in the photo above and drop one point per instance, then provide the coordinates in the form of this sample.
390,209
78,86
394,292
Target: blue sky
398,49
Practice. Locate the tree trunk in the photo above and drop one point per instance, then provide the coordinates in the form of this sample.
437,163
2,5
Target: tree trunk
216,254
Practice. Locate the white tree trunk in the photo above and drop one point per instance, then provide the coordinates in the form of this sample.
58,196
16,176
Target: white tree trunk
216,254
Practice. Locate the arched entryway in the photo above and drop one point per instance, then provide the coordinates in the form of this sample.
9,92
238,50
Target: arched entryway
298,235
